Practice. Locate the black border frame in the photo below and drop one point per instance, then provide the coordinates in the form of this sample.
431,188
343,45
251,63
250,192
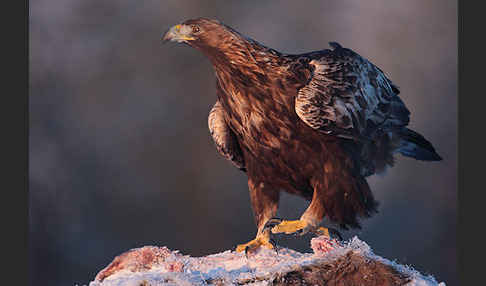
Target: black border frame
15,142
471,126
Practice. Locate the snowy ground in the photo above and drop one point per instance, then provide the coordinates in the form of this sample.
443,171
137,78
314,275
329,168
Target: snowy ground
153,266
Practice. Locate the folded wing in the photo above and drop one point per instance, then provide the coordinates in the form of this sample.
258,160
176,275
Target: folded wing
349,97
224,138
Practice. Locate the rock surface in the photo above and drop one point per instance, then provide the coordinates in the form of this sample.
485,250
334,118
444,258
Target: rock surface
331,263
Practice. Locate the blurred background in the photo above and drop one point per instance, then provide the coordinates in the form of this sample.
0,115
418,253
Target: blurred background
121,156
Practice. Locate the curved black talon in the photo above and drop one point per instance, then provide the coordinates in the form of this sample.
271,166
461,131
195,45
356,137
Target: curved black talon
298,232
335,232
246,251
233,249
301,232
272,222
274,244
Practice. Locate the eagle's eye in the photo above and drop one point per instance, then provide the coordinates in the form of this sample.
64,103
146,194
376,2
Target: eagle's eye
195,29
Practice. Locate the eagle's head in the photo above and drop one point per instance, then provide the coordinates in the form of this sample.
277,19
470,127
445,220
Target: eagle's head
224,46
208,35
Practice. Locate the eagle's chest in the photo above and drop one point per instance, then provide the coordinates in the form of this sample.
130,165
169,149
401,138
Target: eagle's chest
276,143
259,120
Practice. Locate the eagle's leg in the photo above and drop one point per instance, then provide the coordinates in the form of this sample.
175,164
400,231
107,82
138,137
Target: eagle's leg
308,222
264,201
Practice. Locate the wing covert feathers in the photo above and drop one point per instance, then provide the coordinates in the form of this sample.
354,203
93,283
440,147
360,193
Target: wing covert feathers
349,97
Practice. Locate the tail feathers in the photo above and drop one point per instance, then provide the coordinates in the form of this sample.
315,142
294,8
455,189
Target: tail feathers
416,146
347,199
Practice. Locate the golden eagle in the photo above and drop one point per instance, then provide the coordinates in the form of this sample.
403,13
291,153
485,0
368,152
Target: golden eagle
313,124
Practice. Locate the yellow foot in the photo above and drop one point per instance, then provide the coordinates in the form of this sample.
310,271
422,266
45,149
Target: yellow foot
288,226
262,240
299,227
322,231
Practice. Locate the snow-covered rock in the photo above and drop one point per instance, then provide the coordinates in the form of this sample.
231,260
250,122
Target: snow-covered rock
331,263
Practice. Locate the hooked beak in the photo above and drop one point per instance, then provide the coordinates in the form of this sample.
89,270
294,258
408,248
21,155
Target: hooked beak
178,33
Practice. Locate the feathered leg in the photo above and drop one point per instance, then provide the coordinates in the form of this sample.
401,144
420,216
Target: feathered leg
340,193
308,222
264,201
